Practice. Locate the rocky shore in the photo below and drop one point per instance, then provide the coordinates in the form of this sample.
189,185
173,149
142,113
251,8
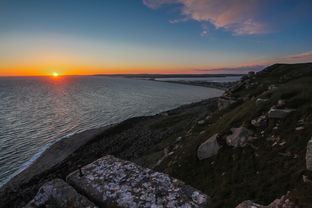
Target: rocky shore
129,140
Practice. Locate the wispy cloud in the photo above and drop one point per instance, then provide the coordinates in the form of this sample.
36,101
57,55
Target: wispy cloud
236,16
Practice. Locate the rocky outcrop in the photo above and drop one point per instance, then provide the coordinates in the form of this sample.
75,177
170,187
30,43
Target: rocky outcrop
113,182
57,193
309,155
279,113
284,202
209,148
260,122
239,137
224,102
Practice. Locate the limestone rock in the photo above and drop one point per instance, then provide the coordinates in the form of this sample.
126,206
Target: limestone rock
114,182
239,137
260,100
201,122
279,113
57,193
309,155
209,148
260,122
224,102
249,204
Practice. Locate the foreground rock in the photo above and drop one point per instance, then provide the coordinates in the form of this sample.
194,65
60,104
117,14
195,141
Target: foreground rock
59,194
113,182
279,113
309,155
209,148
284,202
239,137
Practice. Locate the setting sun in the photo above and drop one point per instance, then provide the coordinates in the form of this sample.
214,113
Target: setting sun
55,74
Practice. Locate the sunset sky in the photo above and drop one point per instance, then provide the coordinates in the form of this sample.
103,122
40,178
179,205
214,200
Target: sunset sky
41,37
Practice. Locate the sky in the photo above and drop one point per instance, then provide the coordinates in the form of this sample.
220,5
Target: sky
41,37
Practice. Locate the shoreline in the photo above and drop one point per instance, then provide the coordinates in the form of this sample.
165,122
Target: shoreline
46,163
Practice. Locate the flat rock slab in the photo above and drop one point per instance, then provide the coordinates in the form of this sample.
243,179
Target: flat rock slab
112,182
58,194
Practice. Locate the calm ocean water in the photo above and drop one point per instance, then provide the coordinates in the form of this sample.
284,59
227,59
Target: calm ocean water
35,111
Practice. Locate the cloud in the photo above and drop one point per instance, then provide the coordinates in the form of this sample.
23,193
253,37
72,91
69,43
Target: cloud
297,58
236,16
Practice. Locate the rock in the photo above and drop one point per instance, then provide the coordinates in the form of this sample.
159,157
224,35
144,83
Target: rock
224,102
57,193
279,113
272,87
260,100
201,122
249,204
239,137
251,74
300,128
306,179
260,122
284,202
208,117
281,103
209,148
309,155
112,182
179,139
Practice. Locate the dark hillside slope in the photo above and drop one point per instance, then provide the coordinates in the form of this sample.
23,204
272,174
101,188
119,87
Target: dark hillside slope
273,161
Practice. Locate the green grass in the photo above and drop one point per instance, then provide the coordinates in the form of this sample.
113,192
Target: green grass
261,174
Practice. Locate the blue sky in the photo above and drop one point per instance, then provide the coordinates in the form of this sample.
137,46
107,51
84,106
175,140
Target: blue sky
152,36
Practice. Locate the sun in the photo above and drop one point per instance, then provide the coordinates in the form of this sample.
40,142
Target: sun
55,74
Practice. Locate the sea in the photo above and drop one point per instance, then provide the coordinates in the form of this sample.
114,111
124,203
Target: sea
37,111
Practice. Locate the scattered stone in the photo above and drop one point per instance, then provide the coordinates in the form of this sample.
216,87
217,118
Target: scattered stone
224,102
201,122
272,87
309,155
249,204
179,139
112,182
306,179
57,193
279,113
300,128
209,148
260,100
281,103
239,137
208,117
284,202
260,122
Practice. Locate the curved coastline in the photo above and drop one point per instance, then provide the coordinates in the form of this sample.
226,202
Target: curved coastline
57,151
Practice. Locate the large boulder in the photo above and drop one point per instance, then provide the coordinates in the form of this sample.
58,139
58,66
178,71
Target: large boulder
239,137
249,204
309,155
112,182
279,113
209,148
284,202
57,193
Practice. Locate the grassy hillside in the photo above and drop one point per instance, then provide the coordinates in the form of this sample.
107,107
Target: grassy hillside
268,166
